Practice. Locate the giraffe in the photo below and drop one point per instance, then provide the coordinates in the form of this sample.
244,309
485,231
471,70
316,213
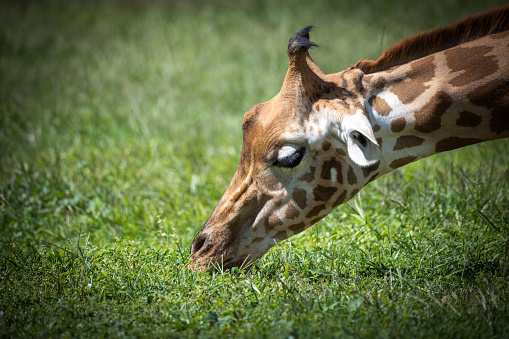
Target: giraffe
323,137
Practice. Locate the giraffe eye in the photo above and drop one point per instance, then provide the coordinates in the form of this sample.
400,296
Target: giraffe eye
289,156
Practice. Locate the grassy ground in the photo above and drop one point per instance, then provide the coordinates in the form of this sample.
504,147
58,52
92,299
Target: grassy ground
119,131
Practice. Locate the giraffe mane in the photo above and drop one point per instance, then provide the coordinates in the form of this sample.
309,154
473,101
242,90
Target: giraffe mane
423,44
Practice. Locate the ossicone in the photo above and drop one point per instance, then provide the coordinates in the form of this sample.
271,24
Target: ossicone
299,42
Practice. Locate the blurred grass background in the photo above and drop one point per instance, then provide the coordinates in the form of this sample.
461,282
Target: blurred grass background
120,128
133,109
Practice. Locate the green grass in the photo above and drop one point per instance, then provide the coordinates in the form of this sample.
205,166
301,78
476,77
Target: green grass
120,128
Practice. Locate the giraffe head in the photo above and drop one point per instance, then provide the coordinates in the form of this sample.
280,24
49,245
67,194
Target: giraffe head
304,152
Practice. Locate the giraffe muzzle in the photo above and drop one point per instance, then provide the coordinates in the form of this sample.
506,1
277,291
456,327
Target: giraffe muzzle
209,252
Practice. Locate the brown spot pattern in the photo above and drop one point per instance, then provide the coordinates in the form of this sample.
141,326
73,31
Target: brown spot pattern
397,125
429,117
314,221
326,145
495,96
468,119
340,199
328,166
472,62
367,170
258,240
280,236
309,176
354,192
323,193
315,211
407,141
376,128
454,142
299,196
380,106
351,177
340,151
291,212
271,222
402,161
372,178
377,83
296,228
278,201
421,71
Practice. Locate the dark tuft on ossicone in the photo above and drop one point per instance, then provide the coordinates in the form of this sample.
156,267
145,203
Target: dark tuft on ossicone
299,42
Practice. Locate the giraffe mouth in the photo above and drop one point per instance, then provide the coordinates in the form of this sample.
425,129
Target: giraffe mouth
219,264
243,264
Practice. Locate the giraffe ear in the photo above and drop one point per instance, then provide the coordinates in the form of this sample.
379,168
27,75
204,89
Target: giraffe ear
358,135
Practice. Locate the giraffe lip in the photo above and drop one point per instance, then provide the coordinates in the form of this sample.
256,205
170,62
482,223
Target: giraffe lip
218,266
242,263
226,263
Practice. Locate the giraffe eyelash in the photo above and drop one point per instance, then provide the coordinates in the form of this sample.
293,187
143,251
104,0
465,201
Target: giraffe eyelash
292,159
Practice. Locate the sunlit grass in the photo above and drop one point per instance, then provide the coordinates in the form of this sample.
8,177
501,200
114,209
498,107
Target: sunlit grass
120,128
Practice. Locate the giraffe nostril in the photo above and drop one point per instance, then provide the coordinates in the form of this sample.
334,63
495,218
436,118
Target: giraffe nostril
198,243
202,243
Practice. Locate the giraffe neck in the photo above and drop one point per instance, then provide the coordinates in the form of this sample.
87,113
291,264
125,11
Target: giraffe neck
441,102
